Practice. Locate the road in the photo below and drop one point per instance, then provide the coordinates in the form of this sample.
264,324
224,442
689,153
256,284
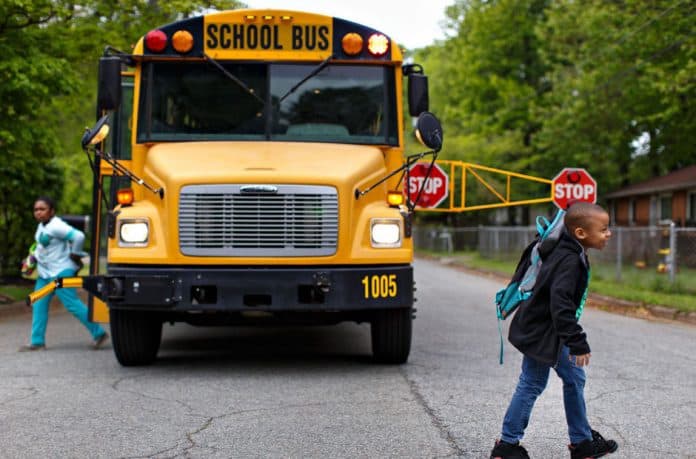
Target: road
313,392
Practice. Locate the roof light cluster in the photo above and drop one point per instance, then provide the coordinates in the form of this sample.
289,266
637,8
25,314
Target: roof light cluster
156,41
353,44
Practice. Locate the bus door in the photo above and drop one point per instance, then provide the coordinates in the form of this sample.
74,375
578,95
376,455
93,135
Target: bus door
106,184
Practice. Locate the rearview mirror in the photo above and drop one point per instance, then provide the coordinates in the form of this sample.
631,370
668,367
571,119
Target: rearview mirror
109,89
96,134
429,131
418,101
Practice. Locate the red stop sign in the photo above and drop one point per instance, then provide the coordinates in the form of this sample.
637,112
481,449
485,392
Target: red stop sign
571,185
435,188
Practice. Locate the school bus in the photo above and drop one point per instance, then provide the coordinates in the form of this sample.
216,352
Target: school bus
252,177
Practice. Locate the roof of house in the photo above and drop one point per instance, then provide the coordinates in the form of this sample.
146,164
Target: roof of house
677,180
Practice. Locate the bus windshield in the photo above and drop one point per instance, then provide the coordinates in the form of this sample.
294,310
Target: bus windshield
185,101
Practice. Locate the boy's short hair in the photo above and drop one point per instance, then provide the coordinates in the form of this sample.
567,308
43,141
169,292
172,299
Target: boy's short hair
579,213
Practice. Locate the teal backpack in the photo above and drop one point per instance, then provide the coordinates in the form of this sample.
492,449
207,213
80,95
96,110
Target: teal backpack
520,287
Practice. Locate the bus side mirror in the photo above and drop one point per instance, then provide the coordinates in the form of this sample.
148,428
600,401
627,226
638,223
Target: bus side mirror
109,92
418,101
429,131
97,134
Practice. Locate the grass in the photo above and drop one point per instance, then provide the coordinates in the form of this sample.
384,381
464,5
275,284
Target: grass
644,286
15,292
18,290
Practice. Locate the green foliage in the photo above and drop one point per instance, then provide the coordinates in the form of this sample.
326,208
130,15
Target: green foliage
485,78
613,68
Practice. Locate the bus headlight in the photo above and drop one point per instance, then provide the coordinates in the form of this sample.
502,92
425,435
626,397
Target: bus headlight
133,233
385,232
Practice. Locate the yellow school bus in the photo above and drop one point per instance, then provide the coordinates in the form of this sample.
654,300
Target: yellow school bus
252,177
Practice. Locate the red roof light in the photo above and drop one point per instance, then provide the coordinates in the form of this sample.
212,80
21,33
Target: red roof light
156,41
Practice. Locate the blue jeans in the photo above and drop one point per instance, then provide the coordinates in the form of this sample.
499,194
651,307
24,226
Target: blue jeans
69,298
532,383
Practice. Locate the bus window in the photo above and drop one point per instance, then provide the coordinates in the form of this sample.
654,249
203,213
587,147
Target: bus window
342,103
197,101
122,125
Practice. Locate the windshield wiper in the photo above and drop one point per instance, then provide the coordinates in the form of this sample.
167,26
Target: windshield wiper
239,82
311,74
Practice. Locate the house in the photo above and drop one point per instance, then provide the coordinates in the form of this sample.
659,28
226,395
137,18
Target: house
669,197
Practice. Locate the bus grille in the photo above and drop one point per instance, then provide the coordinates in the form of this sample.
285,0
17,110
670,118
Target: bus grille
258,220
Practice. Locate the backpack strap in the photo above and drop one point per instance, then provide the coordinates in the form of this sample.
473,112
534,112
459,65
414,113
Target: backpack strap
542,225
500,333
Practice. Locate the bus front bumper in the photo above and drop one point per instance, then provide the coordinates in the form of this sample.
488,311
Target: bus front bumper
347,288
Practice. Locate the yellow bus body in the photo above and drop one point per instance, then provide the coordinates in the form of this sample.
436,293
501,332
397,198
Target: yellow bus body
166,277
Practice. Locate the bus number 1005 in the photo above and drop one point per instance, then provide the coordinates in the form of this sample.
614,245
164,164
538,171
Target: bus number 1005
379,286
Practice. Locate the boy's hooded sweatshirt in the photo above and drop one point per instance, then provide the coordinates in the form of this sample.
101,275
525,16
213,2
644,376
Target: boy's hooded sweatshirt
549,318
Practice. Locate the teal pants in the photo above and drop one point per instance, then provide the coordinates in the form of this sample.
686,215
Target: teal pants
69,298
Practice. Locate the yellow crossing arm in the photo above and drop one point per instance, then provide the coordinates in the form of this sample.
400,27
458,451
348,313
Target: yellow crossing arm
499,186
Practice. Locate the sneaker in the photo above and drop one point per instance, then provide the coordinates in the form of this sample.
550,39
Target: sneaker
505,450
100,341
597,447
32,347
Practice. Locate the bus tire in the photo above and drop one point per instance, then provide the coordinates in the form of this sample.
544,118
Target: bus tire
391,335
135,336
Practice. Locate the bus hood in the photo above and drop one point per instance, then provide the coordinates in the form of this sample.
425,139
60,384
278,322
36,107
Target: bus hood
178,164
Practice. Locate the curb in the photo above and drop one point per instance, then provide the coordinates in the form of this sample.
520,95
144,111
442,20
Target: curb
605,303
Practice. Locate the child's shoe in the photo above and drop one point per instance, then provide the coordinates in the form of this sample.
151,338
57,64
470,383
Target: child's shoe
597,447
505,450
99,342
32,347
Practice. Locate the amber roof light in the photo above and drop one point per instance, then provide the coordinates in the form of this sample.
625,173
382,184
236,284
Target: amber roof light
182,41
352,43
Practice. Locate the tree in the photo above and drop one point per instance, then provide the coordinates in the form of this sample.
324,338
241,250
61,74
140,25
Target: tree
619,72
485,80
31,78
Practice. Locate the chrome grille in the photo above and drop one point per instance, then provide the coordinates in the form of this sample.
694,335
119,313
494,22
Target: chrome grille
250,221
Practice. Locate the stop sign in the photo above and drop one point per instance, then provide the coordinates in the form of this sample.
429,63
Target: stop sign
572,184
435,188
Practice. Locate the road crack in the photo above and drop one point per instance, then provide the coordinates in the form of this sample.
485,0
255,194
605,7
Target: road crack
32,391
435,420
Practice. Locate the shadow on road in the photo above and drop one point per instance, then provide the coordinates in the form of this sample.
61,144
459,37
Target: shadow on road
276,347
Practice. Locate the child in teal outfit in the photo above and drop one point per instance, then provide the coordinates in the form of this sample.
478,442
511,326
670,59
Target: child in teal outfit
58,254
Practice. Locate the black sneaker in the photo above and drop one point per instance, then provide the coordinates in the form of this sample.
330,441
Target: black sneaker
99,342
505,450
597,447
32,347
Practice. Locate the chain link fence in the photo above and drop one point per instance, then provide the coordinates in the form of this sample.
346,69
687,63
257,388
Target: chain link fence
666,250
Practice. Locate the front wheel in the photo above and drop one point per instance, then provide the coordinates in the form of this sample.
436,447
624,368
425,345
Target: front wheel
391,335
135,336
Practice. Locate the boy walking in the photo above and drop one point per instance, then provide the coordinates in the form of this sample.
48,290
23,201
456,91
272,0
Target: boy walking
546,330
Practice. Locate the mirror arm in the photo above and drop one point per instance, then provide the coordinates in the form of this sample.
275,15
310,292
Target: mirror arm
407,165
125,57
412,205
121,169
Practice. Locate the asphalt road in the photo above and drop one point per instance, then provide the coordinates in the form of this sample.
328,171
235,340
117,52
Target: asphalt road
313,392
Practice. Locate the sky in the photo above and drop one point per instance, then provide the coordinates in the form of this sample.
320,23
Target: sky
412,24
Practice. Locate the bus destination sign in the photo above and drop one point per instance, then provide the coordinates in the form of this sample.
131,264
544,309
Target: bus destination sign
291,39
